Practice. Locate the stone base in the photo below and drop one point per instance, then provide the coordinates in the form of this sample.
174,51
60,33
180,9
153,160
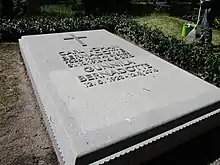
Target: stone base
104,99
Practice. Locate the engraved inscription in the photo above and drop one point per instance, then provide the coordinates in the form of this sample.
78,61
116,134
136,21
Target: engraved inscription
77,58
104,65
115,71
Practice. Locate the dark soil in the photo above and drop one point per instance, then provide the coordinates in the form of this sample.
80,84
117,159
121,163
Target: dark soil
23,136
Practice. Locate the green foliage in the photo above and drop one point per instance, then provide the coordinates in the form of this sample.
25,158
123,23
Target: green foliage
97,7
57,10
147,1
13,29
66,10
33,7
198,60
217,23
13,8
76,5
19,7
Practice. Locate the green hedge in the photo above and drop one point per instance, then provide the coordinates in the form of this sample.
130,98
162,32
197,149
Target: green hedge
97,7
198,60
12,29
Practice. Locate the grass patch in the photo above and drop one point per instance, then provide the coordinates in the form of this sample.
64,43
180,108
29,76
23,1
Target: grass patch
170,26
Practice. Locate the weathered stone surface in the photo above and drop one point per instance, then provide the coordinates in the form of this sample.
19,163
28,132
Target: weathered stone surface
103,97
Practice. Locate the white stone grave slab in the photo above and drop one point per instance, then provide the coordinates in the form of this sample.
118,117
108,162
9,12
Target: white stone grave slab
103,97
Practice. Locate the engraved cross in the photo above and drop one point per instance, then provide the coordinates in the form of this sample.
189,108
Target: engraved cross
78,39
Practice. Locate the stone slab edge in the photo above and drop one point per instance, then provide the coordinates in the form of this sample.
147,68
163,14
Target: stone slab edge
44,113
159,137
116,155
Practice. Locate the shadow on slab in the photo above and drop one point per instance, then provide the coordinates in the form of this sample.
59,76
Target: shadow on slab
202,150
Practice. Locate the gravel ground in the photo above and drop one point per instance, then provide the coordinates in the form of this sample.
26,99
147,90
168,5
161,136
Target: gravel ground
23,136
